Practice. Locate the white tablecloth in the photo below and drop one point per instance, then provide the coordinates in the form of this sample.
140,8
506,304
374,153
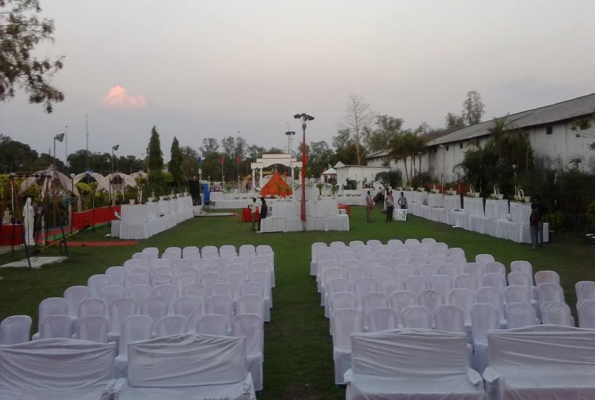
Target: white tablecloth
323,208
496,209
520,212
352,200
144,221
416,197
435,200
286,209
336,223
473,205
452,202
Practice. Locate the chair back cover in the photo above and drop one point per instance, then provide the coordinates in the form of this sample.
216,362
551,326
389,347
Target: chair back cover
449,318
56,365
93,328
73,296
118,311
542,277
586,313
344,322
134,328
52,306
251,327
442,284
466,281
484,318
409,353
585,290
213,324
251,304
116,275
381,319
139,293
96,283
518,294
15,329
520,278
555,313
519,315
56,326
187,360
484,259
550,292
417,317
171,325
391,284
451,270
416,284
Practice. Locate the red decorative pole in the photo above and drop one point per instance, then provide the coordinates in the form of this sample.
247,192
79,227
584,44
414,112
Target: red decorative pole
305,118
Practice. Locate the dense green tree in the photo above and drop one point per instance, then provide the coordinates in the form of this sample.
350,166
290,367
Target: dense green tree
155,153
175,167
453,121
190,162
386,128
21,31
345,148
209,145
15,156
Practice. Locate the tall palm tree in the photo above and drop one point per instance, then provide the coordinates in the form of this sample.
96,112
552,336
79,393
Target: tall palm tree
398,151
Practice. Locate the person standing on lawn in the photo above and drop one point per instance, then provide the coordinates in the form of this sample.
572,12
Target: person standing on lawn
263,213
402,202
369,206
253,212
534,226
390,205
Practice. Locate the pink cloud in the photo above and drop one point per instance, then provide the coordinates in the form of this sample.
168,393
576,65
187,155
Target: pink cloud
119,97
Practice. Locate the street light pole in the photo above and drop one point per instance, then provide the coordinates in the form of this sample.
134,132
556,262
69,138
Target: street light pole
304,118
66,145
59,137
87,138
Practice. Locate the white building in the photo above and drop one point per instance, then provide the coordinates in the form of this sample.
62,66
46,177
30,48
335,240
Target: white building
359,173
548,128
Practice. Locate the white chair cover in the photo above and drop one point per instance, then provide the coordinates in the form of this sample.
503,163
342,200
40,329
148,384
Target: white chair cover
442,284
171,325
56,326
463,298
517,294
15,329
380,273
484,259
519,315
416,284
476,270
134,328
555,313
373,300
51,306
494,280
430,299
550,292
213,324
92,306
96,283
116,275
139,293
190,307
541,362
155,307
452,270
542,277
119,310
495,298
412,364
73,296
250,327
391,284
484,318
168,291
354,273
93,328
344,321
112,292
586,313
362,286
524,267
520,278
56,369
220,304
449,318
135,279
428,271
381,319
401,299
496,267
195,289
456,251
585,290
466,281
404,271
417,317
251,304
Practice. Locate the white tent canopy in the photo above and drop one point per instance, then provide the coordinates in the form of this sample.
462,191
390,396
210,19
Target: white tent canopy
49,178
330,171
102,182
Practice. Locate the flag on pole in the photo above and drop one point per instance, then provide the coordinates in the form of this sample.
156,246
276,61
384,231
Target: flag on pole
222,160
239,159
199,160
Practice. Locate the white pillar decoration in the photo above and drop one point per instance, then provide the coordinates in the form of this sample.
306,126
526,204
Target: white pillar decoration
260,180
254,179
29,219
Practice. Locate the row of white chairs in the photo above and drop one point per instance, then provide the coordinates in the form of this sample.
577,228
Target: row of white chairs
193,252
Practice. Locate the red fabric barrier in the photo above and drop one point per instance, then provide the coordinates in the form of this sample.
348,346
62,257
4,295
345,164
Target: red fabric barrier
7,233
94,217
247,215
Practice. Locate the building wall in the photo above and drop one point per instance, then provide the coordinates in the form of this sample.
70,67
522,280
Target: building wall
359,174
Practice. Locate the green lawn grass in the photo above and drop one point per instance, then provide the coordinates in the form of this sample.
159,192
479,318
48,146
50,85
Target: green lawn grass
298,349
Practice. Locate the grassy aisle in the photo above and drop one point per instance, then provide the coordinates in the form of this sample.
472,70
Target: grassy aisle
298,348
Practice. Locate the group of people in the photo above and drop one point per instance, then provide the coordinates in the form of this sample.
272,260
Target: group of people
390,205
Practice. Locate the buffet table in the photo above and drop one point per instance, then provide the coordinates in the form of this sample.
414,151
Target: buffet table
146,220
496,209
473,205
452,202
435,200
322,215
520,212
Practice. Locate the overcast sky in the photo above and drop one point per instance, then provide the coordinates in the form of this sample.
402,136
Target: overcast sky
201,69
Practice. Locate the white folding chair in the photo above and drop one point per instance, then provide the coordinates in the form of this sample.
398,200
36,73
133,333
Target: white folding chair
494,297
416,284
96,283
380,273
190,250
119,310
213,324
466,281
381,319
496,267
524,267
171,325
373,300
585,290
190,307
417,317
442,284
555,313
354,273
116,275
56,326
484,259
550,292
92,306
519,315
392,242
463,298
222,289
236,280
475,269
542,277
345,322
250,327
15,329
354,244
456,251
484,318
459,261
112,292
430,299
449,318
93,328
168,291
494,280
50,306
139,293
74,295
586,313
135,279
335,286
251,304
155,307
363,286
390,284
220,304
170,257
427,271
134,328
401,299
195,289
451,270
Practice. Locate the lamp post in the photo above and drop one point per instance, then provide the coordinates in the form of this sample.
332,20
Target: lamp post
443,167
87,139
59,137
304,118
290,135
66,145
114,149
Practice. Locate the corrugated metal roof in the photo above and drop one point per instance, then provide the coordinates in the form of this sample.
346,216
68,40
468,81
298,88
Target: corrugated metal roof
569,109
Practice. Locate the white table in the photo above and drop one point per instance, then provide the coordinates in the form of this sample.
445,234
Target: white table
520,212
352,200
285,209
435,200
452,202
496,209
473,205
